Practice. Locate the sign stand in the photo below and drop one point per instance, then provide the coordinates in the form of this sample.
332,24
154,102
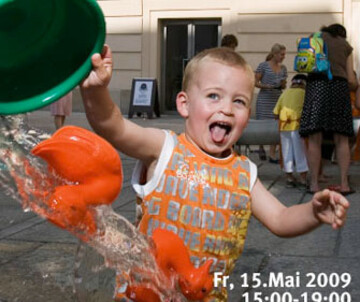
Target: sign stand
144,97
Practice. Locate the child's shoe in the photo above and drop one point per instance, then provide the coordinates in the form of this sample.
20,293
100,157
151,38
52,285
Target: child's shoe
273,160
290,183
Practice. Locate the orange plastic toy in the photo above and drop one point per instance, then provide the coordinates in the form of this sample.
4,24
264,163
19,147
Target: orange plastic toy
93,169
172,257
91,173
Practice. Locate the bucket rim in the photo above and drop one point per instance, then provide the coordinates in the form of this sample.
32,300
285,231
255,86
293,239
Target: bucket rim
46,98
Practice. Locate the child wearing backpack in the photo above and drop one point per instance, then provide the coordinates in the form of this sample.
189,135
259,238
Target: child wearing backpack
288,110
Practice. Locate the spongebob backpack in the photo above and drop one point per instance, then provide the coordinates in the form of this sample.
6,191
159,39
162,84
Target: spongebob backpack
312,55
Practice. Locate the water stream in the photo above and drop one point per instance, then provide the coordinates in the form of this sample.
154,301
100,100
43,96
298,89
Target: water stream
27,180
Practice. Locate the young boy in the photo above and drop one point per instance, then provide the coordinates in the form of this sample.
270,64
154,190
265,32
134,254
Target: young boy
196,185
288,110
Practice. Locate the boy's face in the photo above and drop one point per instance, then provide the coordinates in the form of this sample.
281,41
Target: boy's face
216,106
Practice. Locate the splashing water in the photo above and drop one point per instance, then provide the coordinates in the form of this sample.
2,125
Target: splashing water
27,179
16,141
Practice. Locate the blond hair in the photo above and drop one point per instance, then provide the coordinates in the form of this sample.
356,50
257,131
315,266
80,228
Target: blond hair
275,49
222,55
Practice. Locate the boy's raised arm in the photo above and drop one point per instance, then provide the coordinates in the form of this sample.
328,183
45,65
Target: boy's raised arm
325,207
107,120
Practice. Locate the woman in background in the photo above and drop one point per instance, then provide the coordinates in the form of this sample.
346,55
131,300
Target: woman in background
327,107
270,77
61,109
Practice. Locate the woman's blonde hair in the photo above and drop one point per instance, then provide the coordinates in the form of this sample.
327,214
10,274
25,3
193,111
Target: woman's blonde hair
275,49
222,55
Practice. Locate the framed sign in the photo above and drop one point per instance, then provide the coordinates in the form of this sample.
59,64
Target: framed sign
144,97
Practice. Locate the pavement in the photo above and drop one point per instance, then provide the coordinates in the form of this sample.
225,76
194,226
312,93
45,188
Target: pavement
38,260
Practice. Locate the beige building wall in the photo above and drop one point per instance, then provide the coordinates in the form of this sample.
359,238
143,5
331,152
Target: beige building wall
133,30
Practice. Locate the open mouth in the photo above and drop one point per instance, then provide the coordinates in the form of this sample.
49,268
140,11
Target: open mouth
219,130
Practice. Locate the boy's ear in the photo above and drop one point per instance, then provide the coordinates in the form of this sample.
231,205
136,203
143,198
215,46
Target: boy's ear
182,105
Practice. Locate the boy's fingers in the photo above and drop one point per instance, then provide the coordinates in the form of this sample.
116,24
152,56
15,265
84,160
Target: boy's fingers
333,197
96,60
340,211
338,223
323,197
320,195
340,199
106,51
338,203
341,205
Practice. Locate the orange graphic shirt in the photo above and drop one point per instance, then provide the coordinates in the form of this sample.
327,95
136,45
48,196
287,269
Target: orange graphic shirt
204,200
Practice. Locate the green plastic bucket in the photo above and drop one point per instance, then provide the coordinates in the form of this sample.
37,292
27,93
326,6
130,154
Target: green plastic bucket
45,51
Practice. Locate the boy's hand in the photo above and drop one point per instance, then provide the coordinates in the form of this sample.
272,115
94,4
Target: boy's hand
330,207
100,75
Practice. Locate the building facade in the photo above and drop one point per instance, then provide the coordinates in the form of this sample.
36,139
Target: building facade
156,38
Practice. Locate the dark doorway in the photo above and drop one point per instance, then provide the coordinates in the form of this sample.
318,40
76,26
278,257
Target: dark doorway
182,39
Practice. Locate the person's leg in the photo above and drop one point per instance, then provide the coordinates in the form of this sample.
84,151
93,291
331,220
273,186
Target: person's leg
356,148
272,152
288,162
322,176
303,179
343,159
262,153
290,180
59,121
300,156
314,159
